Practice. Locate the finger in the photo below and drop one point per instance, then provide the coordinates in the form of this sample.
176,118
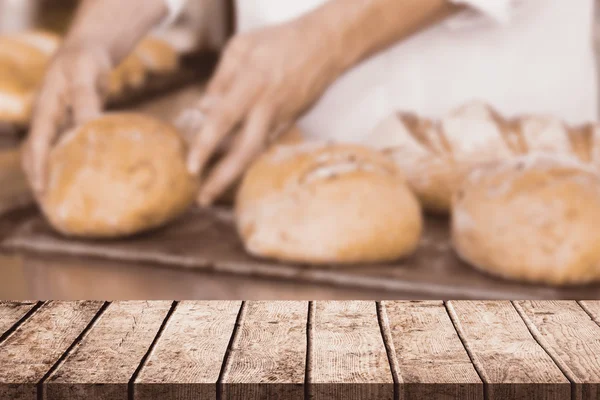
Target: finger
85,97
50,111
224,73
219,123
86,103
251,142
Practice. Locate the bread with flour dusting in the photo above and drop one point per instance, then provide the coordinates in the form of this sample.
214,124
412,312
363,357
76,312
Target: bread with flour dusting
436,155
533,218
117,175
315,203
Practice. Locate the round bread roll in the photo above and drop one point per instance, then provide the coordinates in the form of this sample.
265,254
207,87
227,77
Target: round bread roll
45,41
321,203
117,175
22,54
157,55
17,91
130,74
534,218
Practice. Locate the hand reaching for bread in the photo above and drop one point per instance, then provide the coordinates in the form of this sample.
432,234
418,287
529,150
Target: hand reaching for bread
71,94
265,79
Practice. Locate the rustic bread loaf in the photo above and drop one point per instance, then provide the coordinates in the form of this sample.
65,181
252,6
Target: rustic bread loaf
17,91
130,74
315,202
534,218
45,41
117,175
436,155
157,55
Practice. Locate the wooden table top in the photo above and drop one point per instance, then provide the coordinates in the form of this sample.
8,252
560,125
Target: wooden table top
296,349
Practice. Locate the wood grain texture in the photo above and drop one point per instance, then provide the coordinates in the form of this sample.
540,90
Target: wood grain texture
571,338
31,351
268,357
347,355
431,360
103,363
187,358
592,307
509,360
11,312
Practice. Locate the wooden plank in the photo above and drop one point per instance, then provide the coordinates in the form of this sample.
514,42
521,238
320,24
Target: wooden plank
102,365
32,350
268,356
12,312
187,359
509,360
431,360
347,355
592,307
570,336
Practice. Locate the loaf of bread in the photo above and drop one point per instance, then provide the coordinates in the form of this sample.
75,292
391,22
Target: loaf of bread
436,155
45,41
130,74
17,91
320,203
533,218
115,176
158,55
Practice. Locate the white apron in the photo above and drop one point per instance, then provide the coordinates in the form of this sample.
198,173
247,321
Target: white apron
520,56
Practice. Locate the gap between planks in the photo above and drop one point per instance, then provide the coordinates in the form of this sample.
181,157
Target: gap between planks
76,342
20,322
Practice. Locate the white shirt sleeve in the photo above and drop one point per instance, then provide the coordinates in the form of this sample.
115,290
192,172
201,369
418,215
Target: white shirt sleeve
497,11
175,7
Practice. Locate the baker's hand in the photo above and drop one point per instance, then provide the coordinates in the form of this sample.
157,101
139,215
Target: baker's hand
264,81
71,93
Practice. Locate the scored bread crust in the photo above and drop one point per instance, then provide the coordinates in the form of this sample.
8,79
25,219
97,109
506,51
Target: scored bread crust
533,218
45,41
319,203
115,176
435,156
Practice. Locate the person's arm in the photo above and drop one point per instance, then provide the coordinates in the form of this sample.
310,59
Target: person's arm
102,34
364,27
269,77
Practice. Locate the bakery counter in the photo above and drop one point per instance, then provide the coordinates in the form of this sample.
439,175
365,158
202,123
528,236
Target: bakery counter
200,256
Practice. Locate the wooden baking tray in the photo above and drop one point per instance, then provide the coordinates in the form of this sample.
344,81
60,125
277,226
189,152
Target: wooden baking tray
207,240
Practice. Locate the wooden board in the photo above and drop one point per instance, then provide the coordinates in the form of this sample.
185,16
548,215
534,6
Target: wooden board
102,365
508,359
571,338
207,240
430,359
268,355
11,312
239,351
347,356
187,358
30,352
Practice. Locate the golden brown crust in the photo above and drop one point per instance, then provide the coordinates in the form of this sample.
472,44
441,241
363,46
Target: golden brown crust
534,218
117,175
157,55
45,41
17,91
320,203
130,74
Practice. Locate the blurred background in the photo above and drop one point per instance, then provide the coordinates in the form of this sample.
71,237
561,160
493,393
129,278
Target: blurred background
205,26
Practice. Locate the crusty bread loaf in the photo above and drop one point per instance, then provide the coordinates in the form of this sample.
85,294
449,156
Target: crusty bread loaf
117,175
319,203
157,55
17,91
45,41
130,74
534,218
436,155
